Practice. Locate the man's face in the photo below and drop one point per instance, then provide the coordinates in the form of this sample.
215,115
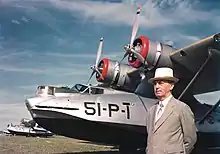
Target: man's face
162,88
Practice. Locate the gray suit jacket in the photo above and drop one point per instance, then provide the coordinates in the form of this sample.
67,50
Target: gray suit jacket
174,132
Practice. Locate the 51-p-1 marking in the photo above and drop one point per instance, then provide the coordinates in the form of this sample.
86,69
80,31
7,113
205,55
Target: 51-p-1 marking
93,108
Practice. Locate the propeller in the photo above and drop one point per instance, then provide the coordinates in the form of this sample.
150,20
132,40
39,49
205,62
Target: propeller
129,48
95,67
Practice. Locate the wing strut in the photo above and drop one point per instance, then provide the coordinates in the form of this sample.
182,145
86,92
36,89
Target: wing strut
209,112
210,53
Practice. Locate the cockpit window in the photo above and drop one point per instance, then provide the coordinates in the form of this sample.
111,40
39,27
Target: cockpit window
50,91
79,87
85,89
45,90
65,90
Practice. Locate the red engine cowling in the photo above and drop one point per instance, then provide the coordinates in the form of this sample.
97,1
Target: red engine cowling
149,50
144,42
107,69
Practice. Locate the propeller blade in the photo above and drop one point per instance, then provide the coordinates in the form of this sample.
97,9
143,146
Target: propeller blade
93,72
95,67
125,55
135,26
134,32
99,52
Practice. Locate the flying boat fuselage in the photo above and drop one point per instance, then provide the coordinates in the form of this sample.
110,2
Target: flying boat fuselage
103,118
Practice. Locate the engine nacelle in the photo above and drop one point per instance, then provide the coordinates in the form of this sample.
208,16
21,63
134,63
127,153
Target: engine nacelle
154,53
118,75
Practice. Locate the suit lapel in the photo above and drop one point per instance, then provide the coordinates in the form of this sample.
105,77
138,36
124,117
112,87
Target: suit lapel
151,121
167,112
153,117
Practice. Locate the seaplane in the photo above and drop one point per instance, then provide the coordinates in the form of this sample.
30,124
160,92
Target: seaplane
29,128
119,118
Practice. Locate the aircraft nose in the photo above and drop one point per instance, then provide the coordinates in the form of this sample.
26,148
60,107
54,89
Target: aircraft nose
28,105
31,102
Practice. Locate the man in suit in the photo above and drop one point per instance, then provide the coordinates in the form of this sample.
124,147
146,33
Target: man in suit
170,123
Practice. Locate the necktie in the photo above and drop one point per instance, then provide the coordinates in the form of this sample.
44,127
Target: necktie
159,111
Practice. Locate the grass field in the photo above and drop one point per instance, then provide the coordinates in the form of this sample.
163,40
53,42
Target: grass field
58,145
61,145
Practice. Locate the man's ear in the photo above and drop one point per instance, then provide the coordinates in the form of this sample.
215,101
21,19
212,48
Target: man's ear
172,86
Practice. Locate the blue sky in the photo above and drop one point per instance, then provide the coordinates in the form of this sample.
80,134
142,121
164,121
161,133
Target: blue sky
55,41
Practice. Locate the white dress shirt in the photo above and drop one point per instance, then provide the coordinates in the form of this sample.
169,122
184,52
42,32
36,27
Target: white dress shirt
161,107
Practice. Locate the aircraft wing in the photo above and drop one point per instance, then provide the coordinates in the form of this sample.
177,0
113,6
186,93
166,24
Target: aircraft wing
194,59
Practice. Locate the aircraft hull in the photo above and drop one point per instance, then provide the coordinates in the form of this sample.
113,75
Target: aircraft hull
74,127
105,133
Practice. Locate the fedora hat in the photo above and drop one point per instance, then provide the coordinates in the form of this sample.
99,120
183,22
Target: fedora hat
163,73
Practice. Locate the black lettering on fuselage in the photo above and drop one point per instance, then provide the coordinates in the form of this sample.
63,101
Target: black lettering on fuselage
99,109
111,108
127,108
90,109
